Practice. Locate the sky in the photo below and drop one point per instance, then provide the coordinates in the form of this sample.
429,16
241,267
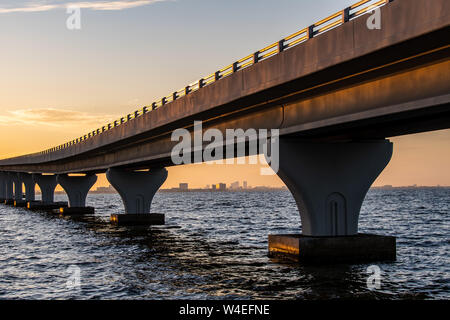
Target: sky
57,84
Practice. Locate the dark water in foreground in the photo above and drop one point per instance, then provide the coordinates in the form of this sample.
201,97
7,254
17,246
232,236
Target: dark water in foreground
214,246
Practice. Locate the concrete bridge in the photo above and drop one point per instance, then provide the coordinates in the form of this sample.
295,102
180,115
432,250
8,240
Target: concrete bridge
336,91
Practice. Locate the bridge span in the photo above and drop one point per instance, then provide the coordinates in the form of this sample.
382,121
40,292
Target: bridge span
336,91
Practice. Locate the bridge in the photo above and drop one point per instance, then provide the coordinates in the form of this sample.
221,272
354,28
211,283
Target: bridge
335,90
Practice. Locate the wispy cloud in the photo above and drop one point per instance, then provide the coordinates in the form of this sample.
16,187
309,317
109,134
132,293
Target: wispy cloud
92,5
54,118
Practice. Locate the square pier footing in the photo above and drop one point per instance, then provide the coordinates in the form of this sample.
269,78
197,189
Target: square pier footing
342,249
138,219
74,211
45,206
19,203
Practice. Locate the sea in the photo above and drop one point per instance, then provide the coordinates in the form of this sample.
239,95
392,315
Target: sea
214,245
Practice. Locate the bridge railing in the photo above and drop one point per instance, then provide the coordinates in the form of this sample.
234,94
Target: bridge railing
324,25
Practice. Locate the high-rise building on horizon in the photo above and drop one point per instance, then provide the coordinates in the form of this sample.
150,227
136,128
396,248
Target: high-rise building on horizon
234,185
184,186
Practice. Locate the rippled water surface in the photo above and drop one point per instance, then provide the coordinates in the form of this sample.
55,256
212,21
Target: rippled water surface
214,246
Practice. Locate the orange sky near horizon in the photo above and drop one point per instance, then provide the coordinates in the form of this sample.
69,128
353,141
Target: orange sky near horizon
422,159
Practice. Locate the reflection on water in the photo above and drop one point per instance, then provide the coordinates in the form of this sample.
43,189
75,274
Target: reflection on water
214,246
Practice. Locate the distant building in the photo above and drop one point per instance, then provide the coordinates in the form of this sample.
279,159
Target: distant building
244,184
109,189
234,185
219,186
184,186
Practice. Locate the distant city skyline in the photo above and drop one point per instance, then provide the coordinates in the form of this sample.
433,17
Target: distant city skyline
185,187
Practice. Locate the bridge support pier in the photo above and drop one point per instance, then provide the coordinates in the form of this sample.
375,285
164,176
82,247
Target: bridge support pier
77,188
2,186
13,191
47,184
9,189
137,188
329,182
27,180
18,193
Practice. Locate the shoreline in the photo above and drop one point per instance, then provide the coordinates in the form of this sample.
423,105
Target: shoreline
262,189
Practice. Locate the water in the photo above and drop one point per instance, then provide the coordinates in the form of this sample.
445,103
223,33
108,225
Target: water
214,246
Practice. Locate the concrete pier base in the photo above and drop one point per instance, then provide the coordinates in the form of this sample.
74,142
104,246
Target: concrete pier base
45,206
20,203
73,211
344,249
138,219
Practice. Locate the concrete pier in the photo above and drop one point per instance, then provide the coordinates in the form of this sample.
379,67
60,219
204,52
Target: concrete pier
137,189
9,188
47,184
357,248
17,184
329,182
27,180
77,188
2,186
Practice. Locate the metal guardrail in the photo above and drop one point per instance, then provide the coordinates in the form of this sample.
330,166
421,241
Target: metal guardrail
286,43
